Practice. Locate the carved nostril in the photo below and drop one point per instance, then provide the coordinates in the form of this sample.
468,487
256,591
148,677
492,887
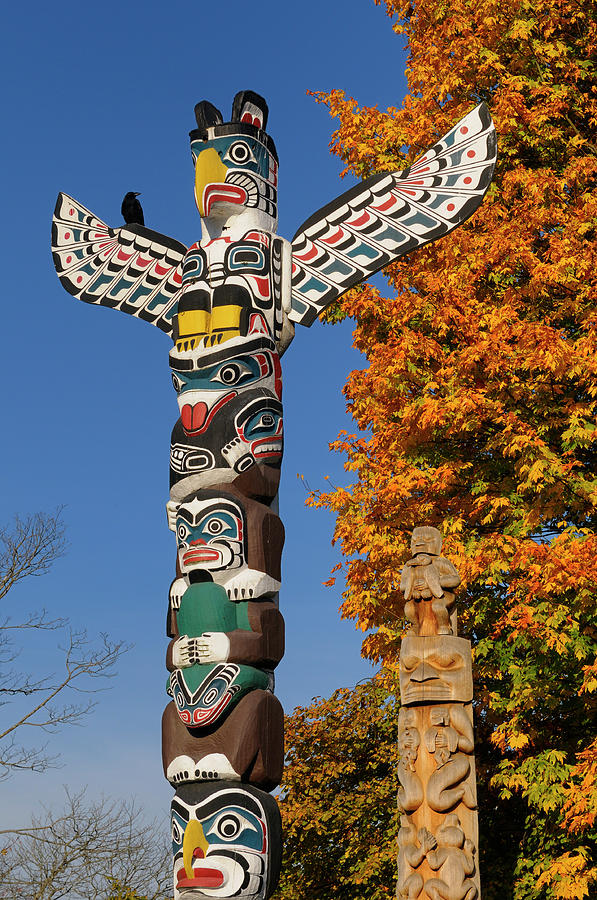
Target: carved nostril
423,672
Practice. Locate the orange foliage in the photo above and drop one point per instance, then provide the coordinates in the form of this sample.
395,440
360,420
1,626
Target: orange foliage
477,411
338,797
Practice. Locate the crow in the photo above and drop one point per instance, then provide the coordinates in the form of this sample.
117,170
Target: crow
131,209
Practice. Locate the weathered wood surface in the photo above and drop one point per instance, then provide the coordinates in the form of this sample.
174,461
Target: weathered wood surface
439,836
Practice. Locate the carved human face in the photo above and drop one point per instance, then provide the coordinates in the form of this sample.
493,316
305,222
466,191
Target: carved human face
440,716
211,535
408,736
224,841
426,539
435,669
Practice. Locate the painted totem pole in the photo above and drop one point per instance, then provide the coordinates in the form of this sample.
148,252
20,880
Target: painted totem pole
438,836
229,302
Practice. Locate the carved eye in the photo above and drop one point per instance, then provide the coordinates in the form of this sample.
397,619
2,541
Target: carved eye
264,422
177,383
232,373
182,531
409,663
445,660
229,825
239,152
245,257
216,526
176,832
192,268
248,256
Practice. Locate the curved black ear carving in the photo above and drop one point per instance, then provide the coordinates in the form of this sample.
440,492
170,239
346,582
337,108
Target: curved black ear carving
207,116
251,108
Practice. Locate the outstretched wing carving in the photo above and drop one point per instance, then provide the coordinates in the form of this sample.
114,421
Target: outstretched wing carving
390,214
132,268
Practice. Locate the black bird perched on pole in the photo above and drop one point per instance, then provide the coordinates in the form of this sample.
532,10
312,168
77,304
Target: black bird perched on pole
131,209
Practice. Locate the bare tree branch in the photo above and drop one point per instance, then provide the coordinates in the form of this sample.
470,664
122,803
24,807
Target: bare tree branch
30,547
84,851
83,666
51,701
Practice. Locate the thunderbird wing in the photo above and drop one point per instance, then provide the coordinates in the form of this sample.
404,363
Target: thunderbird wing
133,268
390,214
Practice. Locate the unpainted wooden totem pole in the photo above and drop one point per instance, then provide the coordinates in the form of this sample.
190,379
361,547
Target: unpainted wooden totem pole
438,836
229,303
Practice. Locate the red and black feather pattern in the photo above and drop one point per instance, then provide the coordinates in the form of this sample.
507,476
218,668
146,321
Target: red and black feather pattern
388,215
132,268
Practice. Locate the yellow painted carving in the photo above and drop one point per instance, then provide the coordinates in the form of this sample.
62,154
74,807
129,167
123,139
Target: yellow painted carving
193,322
193,838
216,326
226,319
209,169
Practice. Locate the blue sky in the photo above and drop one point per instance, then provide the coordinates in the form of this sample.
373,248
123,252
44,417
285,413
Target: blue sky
98,101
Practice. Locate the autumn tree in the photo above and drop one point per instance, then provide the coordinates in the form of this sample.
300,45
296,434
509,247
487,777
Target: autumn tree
338,799
476,414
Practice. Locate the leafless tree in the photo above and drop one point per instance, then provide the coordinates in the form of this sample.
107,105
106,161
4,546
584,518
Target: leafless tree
29,547
42,703
90,850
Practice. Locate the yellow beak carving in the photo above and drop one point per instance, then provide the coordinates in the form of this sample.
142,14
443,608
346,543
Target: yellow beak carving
209,169
193,837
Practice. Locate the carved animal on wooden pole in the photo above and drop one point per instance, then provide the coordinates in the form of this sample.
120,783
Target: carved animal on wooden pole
451,741
455,861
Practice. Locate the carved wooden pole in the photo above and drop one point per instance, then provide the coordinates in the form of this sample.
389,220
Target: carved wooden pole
230,302
438,836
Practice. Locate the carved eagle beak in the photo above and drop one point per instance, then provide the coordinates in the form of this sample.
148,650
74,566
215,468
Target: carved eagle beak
211,188
194,838
209,169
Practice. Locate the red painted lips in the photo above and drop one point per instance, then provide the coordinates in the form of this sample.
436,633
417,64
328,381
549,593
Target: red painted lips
196,417
193,417
207,878
204,554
